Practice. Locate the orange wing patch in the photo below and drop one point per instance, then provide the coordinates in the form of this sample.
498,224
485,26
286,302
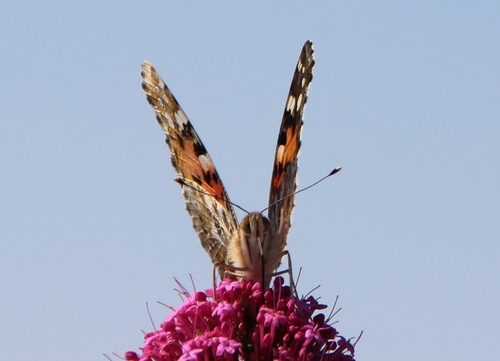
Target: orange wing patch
285,154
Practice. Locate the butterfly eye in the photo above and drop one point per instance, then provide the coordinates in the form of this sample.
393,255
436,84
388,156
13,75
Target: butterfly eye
267,224
245,225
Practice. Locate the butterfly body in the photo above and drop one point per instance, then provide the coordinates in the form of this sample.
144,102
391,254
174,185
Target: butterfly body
253,248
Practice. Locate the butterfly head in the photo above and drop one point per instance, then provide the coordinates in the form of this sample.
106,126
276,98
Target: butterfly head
255,230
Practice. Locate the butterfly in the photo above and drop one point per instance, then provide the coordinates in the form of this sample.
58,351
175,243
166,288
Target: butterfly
253,248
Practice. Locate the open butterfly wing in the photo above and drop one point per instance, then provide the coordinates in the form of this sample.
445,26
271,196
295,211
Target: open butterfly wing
207,202
283,182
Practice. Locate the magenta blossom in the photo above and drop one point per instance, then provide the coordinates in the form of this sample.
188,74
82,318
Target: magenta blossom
240,323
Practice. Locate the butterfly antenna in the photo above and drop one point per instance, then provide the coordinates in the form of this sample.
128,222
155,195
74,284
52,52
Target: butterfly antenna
336,170
183,183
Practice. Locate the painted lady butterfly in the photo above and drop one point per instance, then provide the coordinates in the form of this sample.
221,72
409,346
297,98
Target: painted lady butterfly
254,248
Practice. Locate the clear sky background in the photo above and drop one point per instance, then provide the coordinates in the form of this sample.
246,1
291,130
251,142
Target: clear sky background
405,97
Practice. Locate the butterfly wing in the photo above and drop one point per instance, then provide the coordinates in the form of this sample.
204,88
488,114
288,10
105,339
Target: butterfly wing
283,182
207,202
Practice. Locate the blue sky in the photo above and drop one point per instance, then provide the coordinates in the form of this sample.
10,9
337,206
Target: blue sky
405,98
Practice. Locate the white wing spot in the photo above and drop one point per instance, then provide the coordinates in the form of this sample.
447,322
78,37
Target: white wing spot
205,163
302,68
279,153
290,105
180,118
299,101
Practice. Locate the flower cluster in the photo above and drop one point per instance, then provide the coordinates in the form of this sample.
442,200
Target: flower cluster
239,322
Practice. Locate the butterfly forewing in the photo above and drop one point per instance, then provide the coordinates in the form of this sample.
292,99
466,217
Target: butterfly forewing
283,181
206,199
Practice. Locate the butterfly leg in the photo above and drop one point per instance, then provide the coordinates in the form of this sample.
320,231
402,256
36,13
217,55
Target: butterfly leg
223,270
288,270
231,271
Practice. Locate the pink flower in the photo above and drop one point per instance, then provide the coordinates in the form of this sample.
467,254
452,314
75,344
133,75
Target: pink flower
241,323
